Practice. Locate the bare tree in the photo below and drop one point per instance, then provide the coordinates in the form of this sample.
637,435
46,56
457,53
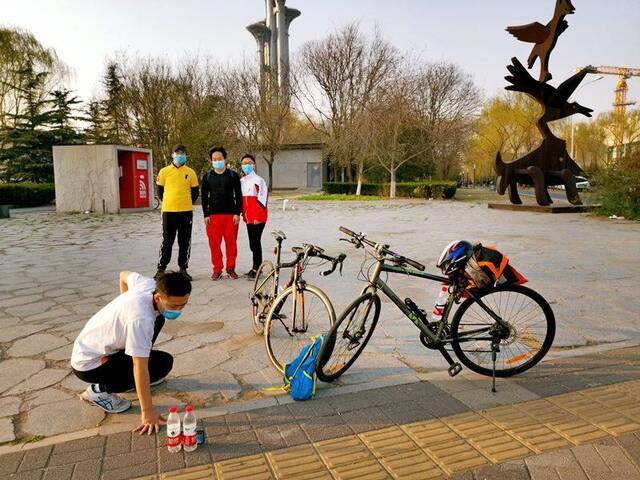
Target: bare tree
257,120
394,133
446,101
336,79
155,104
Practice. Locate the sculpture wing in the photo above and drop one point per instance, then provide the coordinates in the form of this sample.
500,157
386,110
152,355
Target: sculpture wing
522,81
566,88
532,33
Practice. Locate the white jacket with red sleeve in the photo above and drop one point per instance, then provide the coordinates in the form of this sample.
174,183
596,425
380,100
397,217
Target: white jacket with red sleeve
254,198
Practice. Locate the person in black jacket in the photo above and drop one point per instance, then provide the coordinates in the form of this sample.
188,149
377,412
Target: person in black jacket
222,207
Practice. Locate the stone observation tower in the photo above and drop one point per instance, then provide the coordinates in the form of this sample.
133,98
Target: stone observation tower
272,37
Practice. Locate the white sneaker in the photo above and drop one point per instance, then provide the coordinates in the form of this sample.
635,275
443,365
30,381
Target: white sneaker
109,402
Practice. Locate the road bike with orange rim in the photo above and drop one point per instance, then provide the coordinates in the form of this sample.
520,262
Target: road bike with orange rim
300,311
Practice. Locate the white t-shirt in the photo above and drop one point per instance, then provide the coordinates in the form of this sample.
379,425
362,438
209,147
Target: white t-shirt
126,323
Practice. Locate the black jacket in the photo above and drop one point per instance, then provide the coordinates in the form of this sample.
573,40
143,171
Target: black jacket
221,193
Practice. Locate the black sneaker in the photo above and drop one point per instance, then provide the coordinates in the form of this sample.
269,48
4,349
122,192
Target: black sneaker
158,274
186,274
251,274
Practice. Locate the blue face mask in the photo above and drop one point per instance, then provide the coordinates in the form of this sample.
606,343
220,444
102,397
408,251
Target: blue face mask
218,164
180,159
171,314
247,169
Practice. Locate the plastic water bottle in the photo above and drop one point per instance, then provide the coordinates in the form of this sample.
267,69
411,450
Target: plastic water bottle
189,426
441,303
173,430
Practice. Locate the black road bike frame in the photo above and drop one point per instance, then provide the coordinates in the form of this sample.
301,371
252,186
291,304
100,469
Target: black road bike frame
438,338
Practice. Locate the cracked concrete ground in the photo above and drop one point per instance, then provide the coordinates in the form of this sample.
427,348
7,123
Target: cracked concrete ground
57,270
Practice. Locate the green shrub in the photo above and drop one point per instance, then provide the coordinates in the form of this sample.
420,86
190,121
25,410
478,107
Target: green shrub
435,189
619,188
27,194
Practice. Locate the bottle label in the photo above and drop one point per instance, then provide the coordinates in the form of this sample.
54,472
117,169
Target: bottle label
189,440
173,441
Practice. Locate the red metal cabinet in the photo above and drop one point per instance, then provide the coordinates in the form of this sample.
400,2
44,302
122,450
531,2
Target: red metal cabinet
134,179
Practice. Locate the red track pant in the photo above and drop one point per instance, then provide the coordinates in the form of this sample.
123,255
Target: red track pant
222,226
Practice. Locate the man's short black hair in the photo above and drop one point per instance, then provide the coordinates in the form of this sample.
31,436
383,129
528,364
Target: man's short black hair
248,155
213,150
179,148
173,284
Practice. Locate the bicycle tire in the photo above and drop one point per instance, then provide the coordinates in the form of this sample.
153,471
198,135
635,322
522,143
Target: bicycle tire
328,345
505,345
260,307
279,357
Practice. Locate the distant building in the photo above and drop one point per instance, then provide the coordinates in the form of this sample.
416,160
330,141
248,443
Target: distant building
296,166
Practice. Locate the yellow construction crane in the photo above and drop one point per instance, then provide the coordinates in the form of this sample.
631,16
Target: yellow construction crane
620,102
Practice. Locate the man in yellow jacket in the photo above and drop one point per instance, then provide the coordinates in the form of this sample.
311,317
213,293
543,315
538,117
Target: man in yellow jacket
178,189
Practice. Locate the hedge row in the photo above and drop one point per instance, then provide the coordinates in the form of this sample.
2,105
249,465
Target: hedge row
434,189
27,194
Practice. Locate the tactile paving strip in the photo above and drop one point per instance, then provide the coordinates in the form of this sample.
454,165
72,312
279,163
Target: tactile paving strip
254,467
489,439
529,431
570,426
435,448
451,452
400,455
298,463
596,412
194,473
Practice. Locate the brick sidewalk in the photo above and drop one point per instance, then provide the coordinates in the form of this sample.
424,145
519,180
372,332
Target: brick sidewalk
264,435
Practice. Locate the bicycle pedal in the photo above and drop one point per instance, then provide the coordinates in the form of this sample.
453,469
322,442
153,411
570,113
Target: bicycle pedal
455,369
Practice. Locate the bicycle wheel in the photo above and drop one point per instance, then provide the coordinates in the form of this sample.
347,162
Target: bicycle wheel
293,319
348,337
262,295
532,327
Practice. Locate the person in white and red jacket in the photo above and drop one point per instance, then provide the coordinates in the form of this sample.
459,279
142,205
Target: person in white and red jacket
254,209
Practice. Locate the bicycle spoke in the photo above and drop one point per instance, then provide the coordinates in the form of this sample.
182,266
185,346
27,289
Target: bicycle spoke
527,329
349,336
296,320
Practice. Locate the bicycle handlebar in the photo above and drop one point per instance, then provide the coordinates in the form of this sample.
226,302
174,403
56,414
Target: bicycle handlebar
334,263
358,239
315,251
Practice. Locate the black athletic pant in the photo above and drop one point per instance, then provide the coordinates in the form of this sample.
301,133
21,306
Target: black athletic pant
172,223
255,234
116,374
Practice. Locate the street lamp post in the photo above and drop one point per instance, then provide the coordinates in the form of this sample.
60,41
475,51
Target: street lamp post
573,131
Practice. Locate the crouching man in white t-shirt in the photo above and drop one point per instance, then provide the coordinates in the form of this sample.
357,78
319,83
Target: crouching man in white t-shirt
114,349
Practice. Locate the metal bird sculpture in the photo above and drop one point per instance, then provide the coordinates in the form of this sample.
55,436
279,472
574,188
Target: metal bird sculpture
554,101
545,37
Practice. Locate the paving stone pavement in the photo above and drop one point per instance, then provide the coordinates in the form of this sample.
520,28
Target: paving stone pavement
582,442
57,270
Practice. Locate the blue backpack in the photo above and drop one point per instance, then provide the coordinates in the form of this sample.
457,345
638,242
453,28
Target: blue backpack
300,374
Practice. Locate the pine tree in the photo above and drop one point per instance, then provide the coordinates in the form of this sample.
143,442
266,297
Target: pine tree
61,117
112,105
95,117
41,123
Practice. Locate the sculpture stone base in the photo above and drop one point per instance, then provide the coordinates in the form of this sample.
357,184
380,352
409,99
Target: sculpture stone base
565,208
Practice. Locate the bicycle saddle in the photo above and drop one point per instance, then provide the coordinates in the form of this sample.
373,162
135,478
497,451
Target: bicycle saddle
278,235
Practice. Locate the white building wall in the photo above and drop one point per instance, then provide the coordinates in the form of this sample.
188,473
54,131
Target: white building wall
290,167
85,176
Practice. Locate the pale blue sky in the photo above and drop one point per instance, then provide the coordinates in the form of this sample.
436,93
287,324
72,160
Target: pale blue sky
468,32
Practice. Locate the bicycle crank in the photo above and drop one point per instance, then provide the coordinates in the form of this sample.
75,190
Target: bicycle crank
454,367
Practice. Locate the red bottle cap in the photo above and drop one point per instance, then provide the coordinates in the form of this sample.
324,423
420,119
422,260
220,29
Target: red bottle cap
173,410
189,409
